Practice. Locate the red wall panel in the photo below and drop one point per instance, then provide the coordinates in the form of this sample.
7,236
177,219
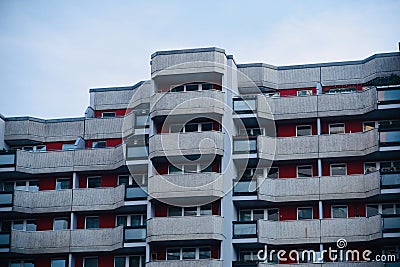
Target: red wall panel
353,126
354,210
109,180
57,145
44,223
353,167
107,221
47,183
118,112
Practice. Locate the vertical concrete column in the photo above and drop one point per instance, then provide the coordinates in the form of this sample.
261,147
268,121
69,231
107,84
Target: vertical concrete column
2,127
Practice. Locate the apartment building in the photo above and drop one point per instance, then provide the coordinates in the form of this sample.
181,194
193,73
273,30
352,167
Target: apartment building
206,164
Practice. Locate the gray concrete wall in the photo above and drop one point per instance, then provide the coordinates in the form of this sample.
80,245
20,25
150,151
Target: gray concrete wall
184,228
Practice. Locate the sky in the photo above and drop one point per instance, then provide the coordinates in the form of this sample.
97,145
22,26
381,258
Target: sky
53,52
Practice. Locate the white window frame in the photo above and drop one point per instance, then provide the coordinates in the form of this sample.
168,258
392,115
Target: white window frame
129,219
366,209
306,207
24,224
395,205
92,177
297,171
198,211
330,168
92,217
69,179
365,169
334,206
26,188
90,258
197,253
344,127
61,218
127,257
109,112
21,262
365,122
304,125
182,167
99,141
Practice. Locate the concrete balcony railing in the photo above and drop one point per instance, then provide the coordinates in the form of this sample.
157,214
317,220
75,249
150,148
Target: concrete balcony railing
324,105
65,241
70,161
319,188
178,144
319,231
329,264
188,61
318,146
184,228
186,263
42,201
98,198
83,199
187,103
181,187
103,128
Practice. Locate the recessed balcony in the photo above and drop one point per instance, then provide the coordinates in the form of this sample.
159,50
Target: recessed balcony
204,103
64,241
191,143
178,188
186,263
319,188
185,228
70,160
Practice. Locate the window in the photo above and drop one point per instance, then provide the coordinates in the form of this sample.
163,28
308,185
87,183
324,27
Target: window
206,209
341,90
369,167
191,127
119,262
31,225
372,210
38,148
251,131
390,166
68,147
137,151
391,208
273,214
123,179
99,144
58,263
368,126
90,262
190,211
304,171
131,220
142,121
18,225
336,128
188,253
93,182
304,92
339,212
259,214
92,222
189,168
23,225
244,146
122,220
25,263
63,183
304,213
273,173
60,224
303,130
108,114
338,169
174,211
32,186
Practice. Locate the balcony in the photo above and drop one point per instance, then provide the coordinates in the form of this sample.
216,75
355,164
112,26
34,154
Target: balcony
87,199
358,229
180,187
390,180
184,228
319,188
188,61
103,128
7,160
64,241
186,263
70,161
42,201
325,105
204,103
318,146
329,264
192,143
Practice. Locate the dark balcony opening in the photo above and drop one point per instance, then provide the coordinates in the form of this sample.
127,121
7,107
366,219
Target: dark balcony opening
181,251
196,86
188,165
164,210
200,124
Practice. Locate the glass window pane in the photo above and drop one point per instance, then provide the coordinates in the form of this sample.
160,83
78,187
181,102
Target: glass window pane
339,212
60,224
8,186
119,261
123,179
336,128
92,222
206,126
245,215
173,254
7,159
188,253
122,220
68,146
191,127
58,263
108,114
94,182
304,213
142,121
134,261
367,126
245,146
33,186
99,144
273,173
15,264
244,105
205,253
192,87
28,264
40,148
20,185
369,167
192,168
136,220
173,169
304,171
204,168
206,210
303,130
18,225
387,209
31,225
137,151
273,214
90,262
62,184
258,215
190,211
178,89
338,169
372,210
174,211
245,229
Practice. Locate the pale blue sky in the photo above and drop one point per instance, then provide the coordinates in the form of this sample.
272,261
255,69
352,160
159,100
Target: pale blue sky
53,52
